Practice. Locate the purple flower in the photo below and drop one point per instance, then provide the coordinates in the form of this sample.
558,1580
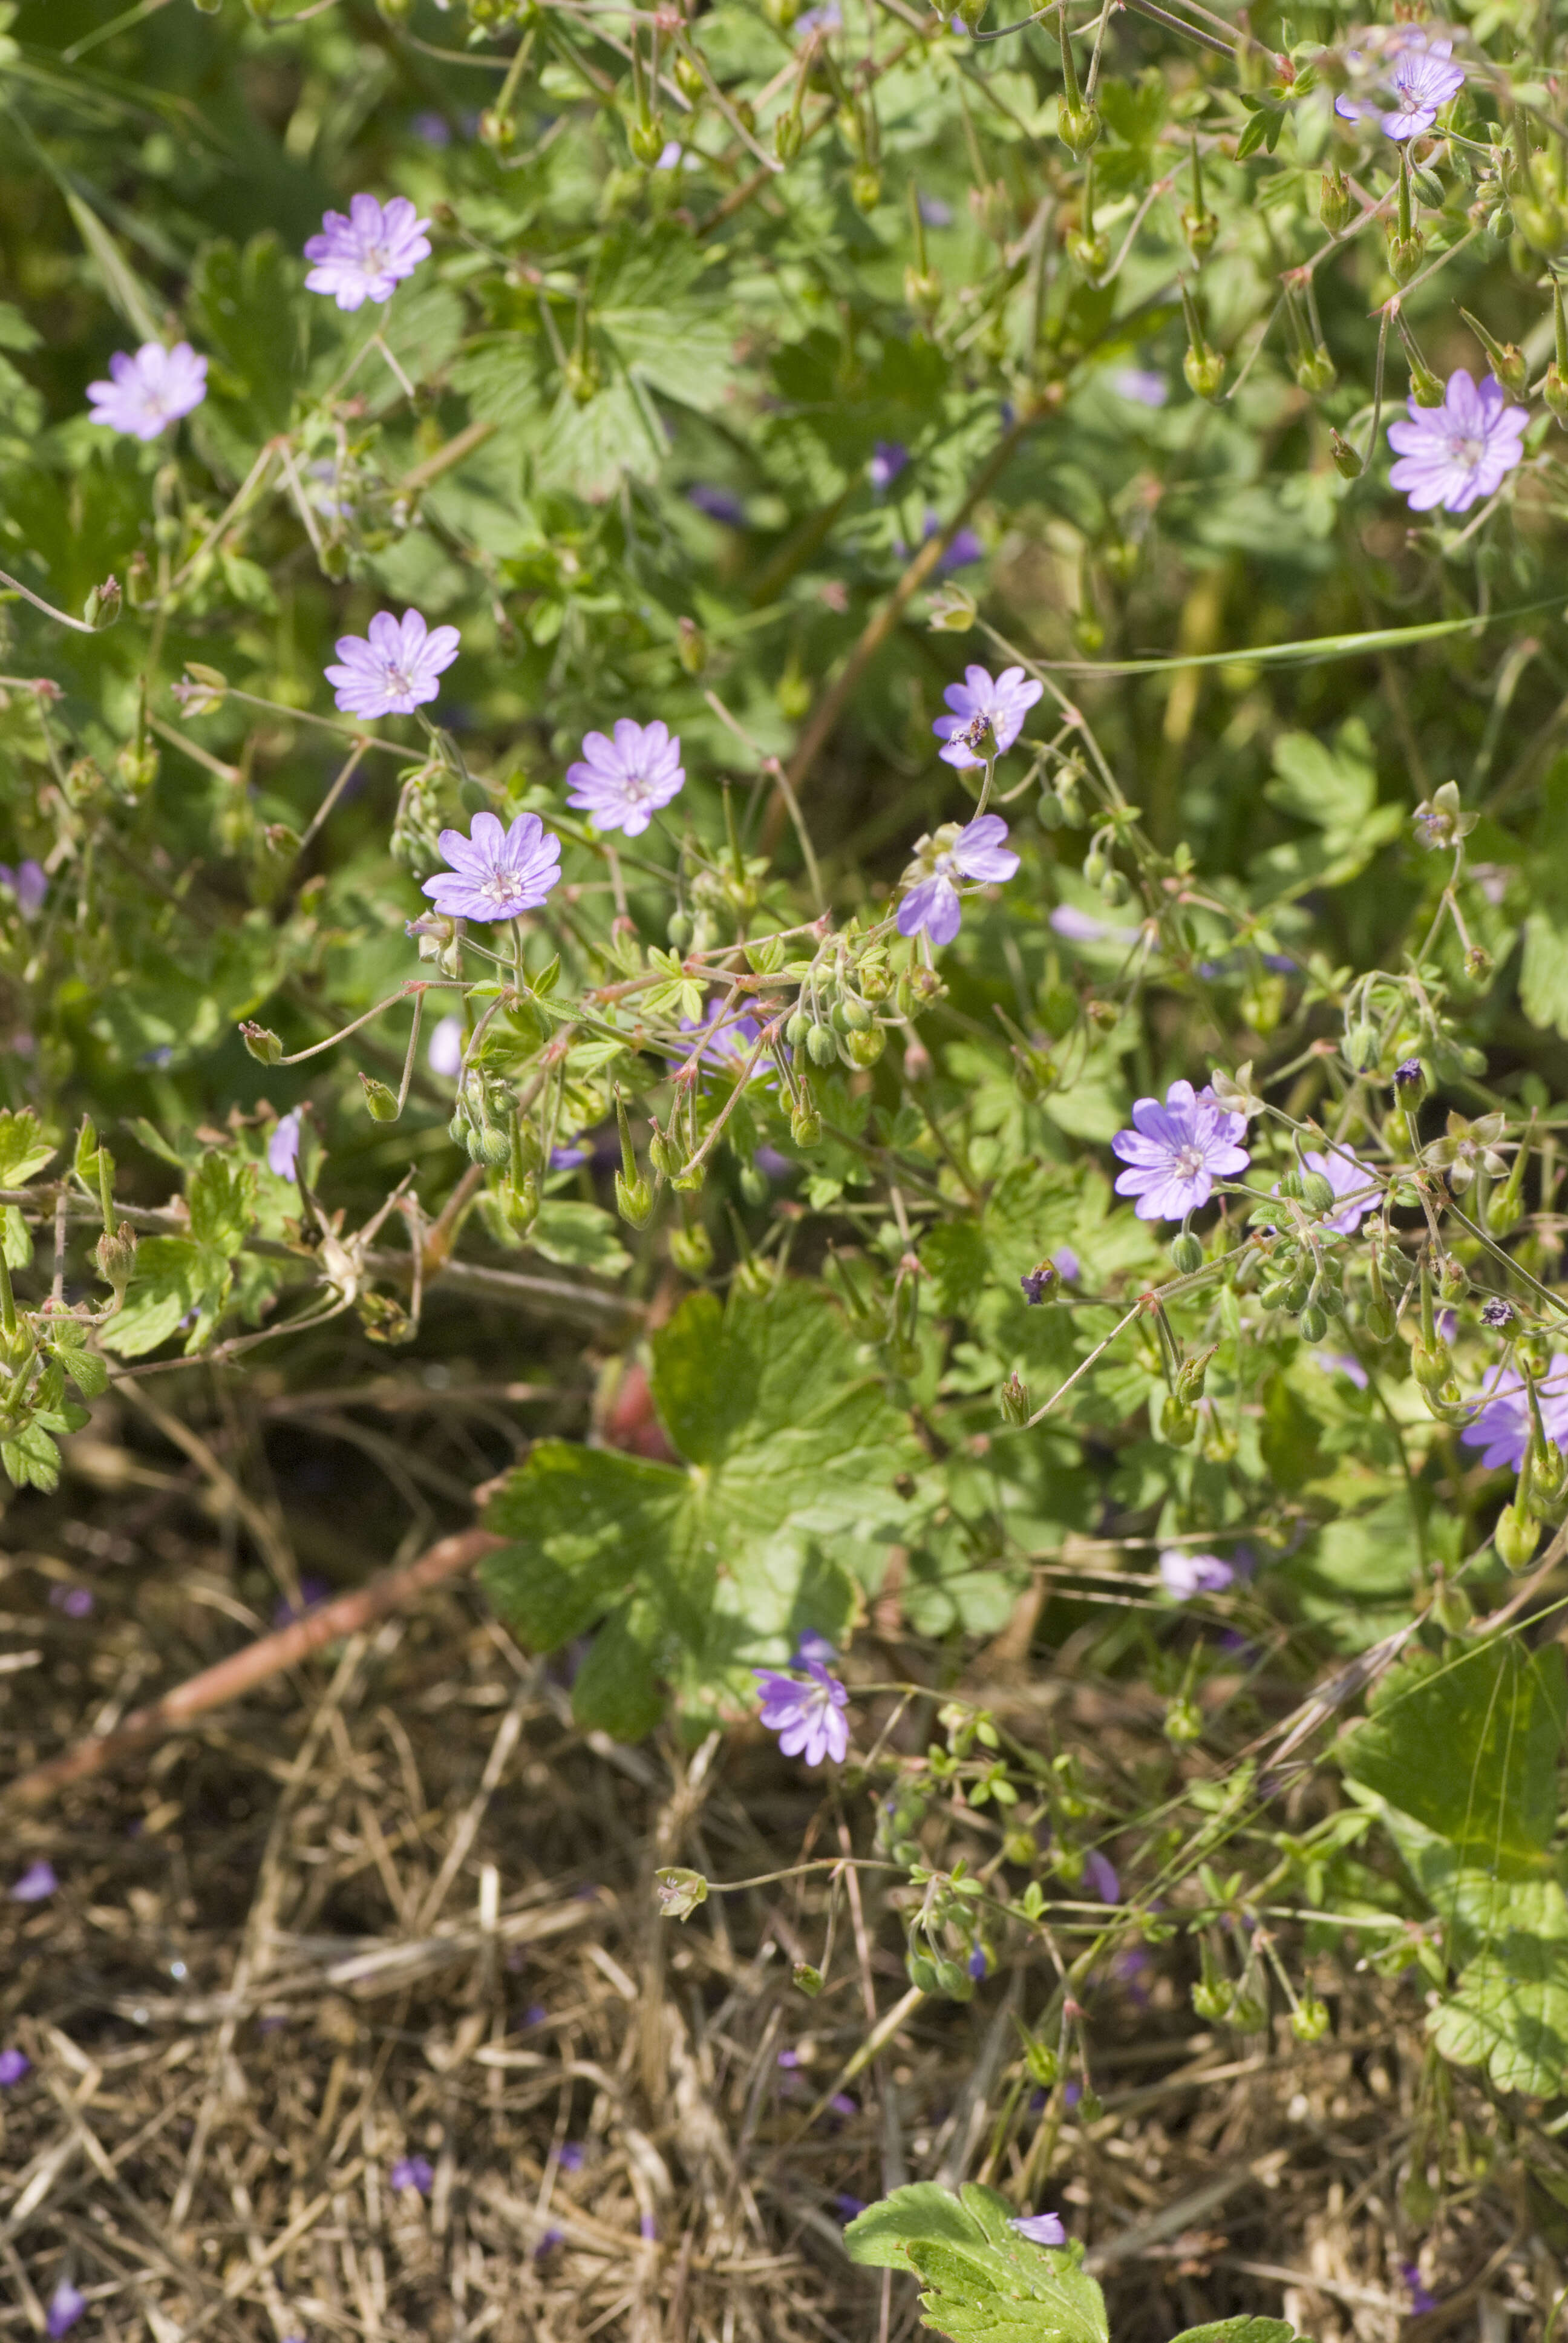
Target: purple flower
312,1591
647,2229
365,256
1101,1874
394,671
1342,1363
148,393
1066,1263
889,458
76,1601
66,2305
283,1146
29,882
413,2172
1176,1152
37,1882
573,2156
1501,1429
1423,78
496,873
1140,386
547,2243
1452,454
566,1159
1421,2298
1185,1575
979,1965
807,1717
717,503
812,1645
1040,2228
622,784
977,851
445,1054
1002,704
935,213
964,549
14,2065
848,2207
1083,927
726,1046
669,155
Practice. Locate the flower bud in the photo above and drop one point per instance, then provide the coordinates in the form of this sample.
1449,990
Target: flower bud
1360,1048
1205,373
1314,1322
646,140
102,607
1079,128
1336,205
678,1891
1478,963
1187,1252
520,1203
1184,1723
922,1971
806,1979
1517,1537
1014,1397
1317,1195
954,1980
1178,1423
1309,2018
115,1256
263,1047
806,1124
1410,1083
691,646
1431,1364
633,1199
865,1049
972,11
691,1249
1406,255
1424,386
678,930
688,78
1347,463
381,1102
1316,372
1555,395
822,1045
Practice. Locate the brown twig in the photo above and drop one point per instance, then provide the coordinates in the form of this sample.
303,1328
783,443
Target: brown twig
242,1671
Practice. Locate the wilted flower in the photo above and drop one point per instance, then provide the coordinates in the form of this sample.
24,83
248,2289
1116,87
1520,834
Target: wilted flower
1176,1152
283,1146
1503,1429
14,2065
365,255
1441,819
1497,1312
66,2305
1467,1148
1003,703
413,2172
1184,1574
1452,453
149,392
1040,2228
1422,79
623,783
496,873
394,671
37,1882
809,1718
1038,1281
975,852
29,883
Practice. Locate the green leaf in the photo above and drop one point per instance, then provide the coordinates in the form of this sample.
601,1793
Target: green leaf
23,1149
1248,2329
1509,2013
1469,1745
165,1286
16,1238
616,1689
31,1459
221,1194
86,1369
983,2279
581,1519
579,1236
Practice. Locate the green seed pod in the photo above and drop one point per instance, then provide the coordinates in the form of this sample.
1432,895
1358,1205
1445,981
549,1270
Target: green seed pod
688,78
1043,2063
263,1046
857,1016
520,1204
822,1045
1378,1320
1205,373
646,140
1360,1048
1317,1193
1015,1399
954,1980
754,1185
1336,205
678,930
865,1049
1187,1252
633,1199
1184,1723
806,1124
1432,1368
1212,1997
1309,2018
1248,2014
382,1102
1079,128
1316,372
1453,1607
1178,1423
1314,1322
1347,463
806,1979
1406,255
691,1249
1517,1537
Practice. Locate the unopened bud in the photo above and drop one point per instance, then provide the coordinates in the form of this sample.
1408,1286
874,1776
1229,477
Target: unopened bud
972,13
1309,2018
691,1249
822,1045
688,78
1517,1537
865,1049
1317,373
381,1102
1187,1252
922,1971
1406,255
1410,1082
1014,1397
1317,1195
1424,386
102,607
1347,463
115,1256
520,1203
633,1199
691,646
1314,1322
1079,128
647,141
807,1979
1336,205
954,1980
1360,1048
1555,395
498,130
806,1125
263,1047
1477,964
1205,373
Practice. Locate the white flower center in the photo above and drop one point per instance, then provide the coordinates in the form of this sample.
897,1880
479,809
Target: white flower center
375,260
635,787
1190,1160
1466,450
499,884
398,678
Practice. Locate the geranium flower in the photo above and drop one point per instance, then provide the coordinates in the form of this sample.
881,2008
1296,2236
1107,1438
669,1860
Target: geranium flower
1452,453
37,1883
394,671
445,1054
413,2172
66,2305
622,783
1101,1874
809,1718
1175,1152
496,873
1001,704
1503,1428
283,1147
14,2065
365,255
1185,1575
1040,2228
975,852
146,392
29,883
1423,77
